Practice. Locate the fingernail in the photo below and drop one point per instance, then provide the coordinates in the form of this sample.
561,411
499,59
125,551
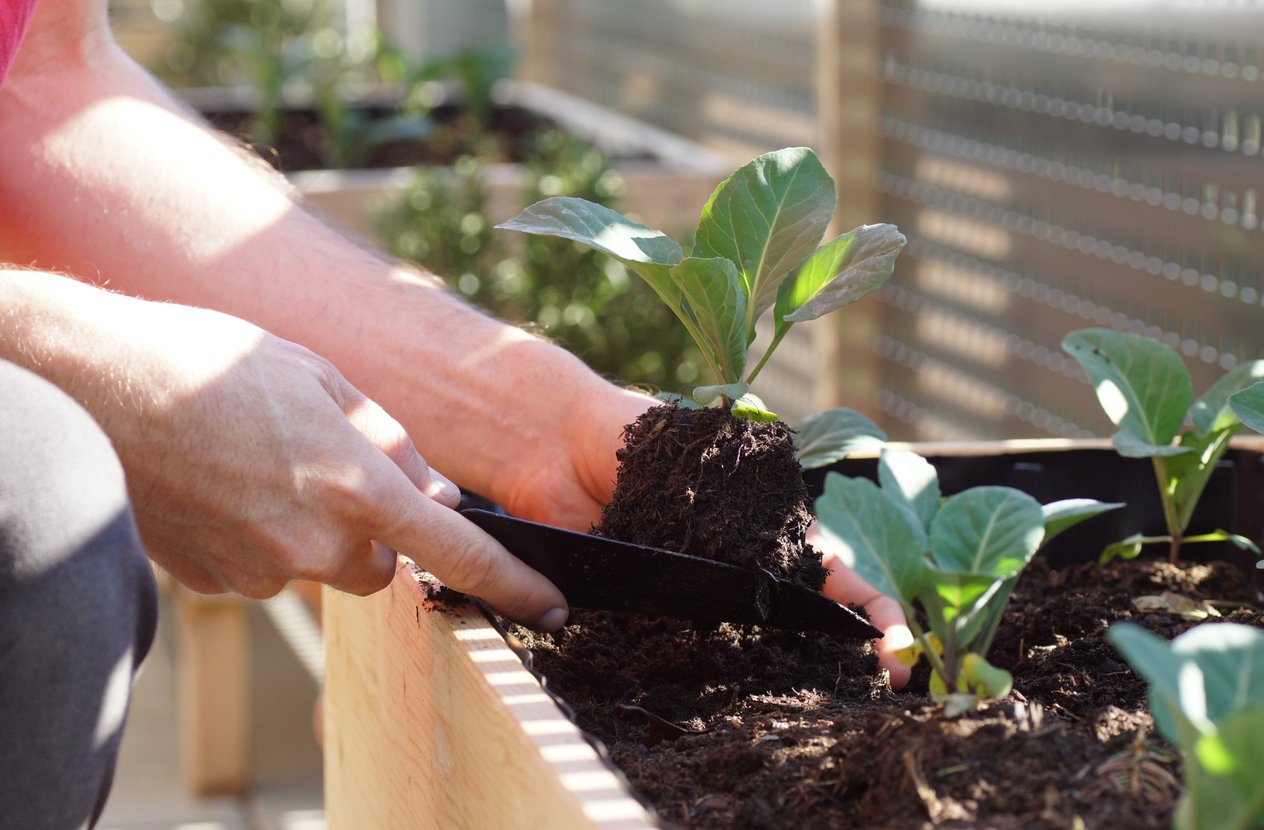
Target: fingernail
553,620
442,489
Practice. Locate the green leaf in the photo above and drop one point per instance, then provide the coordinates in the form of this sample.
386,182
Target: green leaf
1130,446
984,679
959,592
1060,515
1189,472
987,530
910,480
1141,383
1248,405
825,437
716,302
707,394
648,252
751,408
1125,549
877,539
1212,411
840,272
1210,672
767,218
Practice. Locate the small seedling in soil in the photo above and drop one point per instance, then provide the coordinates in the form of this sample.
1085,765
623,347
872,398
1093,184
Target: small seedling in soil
1146,391
950,563
1207,697
726,482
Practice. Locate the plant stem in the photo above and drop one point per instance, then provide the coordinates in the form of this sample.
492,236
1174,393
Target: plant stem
1169,507
767,354
936,662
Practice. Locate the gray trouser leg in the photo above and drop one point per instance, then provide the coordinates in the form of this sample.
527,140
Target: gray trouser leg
78,607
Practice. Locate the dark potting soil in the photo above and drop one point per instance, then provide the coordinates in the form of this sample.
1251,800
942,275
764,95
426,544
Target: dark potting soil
737,727
701,482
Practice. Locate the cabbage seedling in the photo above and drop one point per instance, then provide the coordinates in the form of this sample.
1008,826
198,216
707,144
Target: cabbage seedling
1207,697
951,563
755,250
1146,391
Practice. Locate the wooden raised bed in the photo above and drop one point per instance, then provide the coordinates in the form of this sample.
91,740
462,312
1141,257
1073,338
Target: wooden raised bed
432,719
667,178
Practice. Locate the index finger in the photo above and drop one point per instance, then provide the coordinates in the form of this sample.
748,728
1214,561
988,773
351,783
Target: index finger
465,558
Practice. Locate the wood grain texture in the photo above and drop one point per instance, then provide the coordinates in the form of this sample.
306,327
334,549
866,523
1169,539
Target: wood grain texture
431,721
214,684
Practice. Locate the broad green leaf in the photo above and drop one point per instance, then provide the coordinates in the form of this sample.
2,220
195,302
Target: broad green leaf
840,272
1237,540
648,252
987,530
751,408
1130,446
984,679
716,303
1248,405
1211,411
910,479
825,437
1060,515
1142,384
874,536
959,592
767,218
1241,754
1189,472
708,394
1153,659
1210,671
1223,784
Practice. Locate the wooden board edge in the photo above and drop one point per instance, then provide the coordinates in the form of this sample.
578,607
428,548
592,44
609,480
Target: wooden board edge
431,720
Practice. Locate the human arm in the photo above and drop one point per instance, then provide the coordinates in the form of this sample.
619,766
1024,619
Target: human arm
111,180
249,460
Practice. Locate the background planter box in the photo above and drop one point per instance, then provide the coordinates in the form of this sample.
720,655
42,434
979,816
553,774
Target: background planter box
433,720
668,179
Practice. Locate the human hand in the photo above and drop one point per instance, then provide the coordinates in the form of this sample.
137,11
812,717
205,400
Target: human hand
845,585
575,477
251,461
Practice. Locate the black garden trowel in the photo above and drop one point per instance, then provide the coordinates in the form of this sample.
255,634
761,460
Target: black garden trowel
605,574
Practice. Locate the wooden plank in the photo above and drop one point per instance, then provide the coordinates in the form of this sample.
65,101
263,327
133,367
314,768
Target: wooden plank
849,101
214,692
431,721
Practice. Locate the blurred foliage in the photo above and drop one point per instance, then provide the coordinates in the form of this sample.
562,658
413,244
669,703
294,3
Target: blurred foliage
587,303
283,48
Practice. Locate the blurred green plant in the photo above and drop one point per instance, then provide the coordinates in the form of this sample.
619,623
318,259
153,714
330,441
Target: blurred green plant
280,47
566,292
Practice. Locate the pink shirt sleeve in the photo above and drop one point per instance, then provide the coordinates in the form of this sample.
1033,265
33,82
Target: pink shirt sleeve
14,17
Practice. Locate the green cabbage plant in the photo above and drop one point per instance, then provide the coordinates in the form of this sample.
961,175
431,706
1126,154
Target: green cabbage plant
757,249
1146,391
951,563
1207,697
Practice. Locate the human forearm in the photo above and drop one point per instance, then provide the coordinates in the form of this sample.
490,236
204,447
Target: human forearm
249,460
112,181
